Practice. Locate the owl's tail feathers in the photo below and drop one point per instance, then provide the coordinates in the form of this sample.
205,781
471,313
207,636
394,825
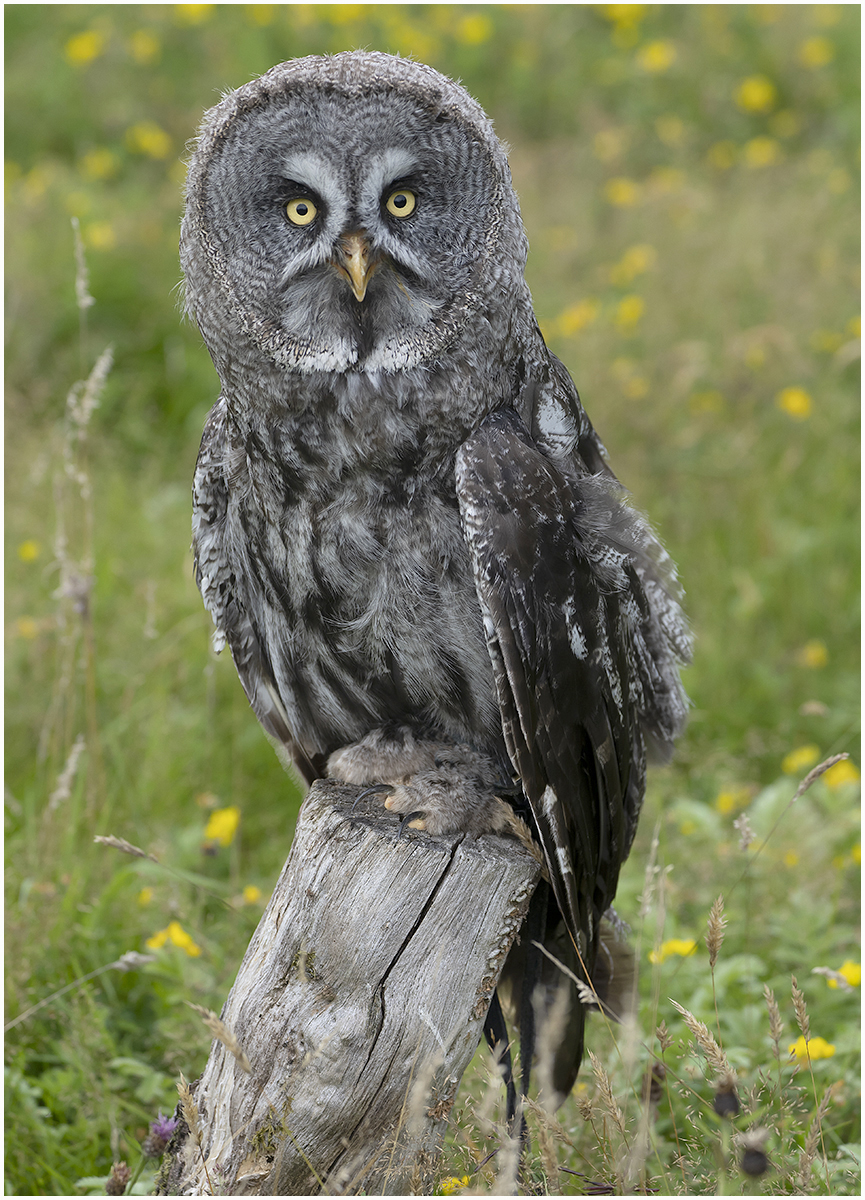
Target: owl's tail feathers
560,1000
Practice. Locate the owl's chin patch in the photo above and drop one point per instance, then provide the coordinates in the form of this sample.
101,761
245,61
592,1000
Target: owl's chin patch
323,327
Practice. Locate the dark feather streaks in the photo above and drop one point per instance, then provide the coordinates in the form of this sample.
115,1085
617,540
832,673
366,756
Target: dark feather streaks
560,608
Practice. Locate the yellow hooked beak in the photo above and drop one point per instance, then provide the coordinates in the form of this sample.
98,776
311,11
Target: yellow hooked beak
355,261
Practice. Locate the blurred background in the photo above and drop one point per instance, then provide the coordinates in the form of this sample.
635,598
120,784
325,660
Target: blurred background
689,180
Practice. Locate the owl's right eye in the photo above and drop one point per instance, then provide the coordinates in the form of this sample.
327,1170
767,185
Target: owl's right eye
301,211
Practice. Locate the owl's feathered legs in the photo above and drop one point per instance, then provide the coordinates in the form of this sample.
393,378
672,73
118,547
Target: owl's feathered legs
440,786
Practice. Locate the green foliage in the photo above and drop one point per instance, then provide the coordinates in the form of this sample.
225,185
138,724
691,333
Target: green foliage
688,180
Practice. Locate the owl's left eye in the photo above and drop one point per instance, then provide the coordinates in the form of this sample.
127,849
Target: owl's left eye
401,203
301,211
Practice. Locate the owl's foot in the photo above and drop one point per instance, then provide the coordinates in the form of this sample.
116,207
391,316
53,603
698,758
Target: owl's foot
436,786
456,795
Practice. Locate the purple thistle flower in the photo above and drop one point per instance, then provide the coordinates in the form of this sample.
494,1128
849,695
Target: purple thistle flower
161,1131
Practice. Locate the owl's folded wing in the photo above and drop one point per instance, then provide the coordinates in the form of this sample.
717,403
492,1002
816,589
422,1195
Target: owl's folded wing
563,611
221,590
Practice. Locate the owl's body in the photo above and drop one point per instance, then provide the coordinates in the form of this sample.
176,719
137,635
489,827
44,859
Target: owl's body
404,524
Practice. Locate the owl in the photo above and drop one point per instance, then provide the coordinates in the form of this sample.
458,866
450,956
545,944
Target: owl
405,527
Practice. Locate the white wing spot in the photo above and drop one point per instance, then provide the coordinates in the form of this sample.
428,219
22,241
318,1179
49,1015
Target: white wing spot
564,860
549,800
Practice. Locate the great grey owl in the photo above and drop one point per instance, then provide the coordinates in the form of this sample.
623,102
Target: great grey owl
404,526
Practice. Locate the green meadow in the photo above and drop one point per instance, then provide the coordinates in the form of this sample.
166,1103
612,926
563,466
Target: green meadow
689,180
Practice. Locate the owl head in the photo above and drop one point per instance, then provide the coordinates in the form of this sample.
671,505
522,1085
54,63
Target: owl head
348,213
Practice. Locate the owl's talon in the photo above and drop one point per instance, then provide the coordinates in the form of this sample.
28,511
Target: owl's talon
412,820
377,789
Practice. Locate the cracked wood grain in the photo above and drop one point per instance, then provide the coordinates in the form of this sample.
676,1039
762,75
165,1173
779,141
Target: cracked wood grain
359,1003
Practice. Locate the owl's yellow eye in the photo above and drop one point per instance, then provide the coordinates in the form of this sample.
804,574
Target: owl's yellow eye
301,211
401,203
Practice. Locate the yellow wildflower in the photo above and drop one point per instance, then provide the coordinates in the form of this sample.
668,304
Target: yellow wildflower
192,14
856,852
816,52
29,551
635,261
451,1184
816,1048
825,341
474,29
851,971
144,46
629,311
625,19
800,759
27,628
577,317
260,14
791,859
843,772
636,387
624,14
343,14
251,894
222,825
731,800
687,827
656,57
177,935
813,654
147,138
680,947
795,402
722,155
83,48
622,192
762,152
99,163
145,896
756,94
854,327
100,235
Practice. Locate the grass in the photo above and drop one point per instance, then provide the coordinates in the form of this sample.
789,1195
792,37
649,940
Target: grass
695,263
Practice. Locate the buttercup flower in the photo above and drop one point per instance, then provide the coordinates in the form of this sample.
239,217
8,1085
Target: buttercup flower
656,57
681,947
83,48
843,772
799,759
622,192
851,971
795,402
177,935
756,94
816,1048
816,52
223,824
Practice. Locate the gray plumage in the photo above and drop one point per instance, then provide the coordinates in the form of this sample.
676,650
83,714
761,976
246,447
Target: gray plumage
404,524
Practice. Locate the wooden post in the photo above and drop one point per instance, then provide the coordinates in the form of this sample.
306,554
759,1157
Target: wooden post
359,1003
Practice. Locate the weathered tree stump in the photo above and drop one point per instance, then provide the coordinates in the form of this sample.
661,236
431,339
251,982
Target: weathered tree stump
359,1003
